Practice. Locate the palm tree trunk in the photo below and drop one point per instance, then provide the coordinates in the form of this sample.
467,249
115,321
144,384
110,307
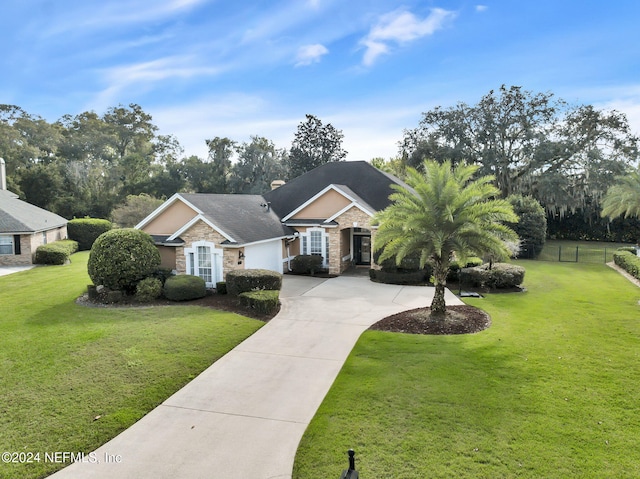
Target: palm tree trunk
438,306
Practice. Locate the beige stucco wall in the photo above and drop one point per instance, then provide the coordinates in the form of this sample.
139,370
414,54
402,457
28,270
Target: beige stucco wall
324,207
167,257
171,219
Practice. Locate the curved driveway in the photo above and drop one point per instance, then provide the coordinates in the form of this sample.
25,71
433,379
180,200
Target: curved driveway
245,415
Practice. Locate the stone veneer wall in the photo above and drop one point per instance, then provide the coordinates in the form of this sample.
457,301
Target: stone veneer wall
345,220
28,245
203,232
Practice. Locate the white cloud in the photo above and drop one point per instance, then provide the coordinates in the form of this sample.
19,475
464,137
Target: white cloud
481,8
401,27
309,54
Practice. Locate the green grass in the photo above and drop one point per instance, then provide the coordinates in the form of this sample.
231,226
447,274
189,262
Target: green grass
62,364
550,390
587,251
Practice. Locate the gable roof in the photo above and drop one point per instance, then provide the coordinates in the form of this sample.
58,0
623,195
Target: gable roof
370,185
17,216
345,191
239,218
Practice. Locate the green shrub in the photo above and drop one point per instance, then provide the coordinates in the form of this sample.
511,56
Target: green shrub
456,266
57,252
148,289
398,277
500,276
120,258
628,261
86,230
244,280
630,249
532,226
264,301
162,274
306,264
184,287
221,287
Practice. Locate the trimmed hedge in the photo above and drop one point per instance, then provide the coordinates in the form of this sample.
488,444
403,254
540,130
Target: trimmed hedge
628,261
456,266
120,258
221,287
57,252
264,301
148,289
306,264
500,276
244,280
399,277
86,230
184,287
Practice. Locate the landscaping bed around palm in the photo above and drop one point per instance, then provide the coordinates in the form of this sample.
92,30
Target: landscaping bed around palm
458,320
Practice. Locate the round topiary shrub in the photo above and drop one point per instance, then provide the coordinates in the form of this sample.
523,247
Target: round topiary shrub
184,287
86,230
244,280
306,264
119,259
148,289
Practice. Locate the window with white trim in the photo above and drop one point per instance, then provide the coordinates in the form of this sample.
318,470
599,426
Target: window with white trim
205,261
6,244
315,241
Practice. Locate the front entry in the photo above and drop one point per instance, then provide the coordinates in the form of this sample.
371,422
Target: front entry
362,249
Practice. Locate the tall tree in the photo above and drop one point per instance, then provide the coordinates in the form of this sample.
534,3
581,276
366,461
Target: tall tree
447,215
532,143
259,163
623,198
314,144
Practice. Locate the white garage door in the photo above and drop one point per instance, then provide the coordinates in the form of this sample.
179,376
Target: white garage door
264,256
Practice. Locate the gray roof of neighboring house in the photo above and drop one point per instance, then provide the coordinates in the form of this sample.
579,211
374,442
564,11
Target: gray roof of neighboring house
368,183
17,216
240,216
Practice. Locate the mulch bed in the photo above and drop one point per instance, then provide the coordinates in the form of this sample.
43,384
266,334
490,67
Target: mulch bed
459,320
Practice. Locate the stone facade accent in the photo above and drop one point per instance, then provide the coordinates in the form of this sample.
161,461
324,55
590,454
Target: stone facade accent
29,244
203,232
346,221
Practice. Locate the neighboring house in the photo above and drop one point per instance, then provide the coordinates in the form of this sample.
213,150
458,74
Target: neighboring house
24,227
325,212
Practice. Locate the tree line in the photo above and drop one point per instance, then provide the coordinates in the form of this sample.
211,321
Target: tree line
90,164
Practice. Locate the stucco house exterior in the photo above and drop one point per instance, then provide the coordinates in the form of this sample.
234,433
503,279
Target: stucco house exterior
24,227
326,212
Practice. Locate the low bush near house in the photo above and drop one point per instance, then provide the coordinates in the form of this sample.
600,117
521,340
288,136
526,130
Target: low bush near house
221,287
263,302
245,280
120,258
306,264
628,261
148,289
57,252
184,287
86,230
500,276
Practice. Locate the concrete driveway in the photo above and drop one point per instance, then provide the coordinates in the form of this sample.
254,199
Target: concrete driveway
5,270
245,415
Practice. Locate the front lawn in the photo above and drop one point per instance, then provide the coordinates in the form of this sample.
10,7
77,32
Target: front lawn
73,377
550,390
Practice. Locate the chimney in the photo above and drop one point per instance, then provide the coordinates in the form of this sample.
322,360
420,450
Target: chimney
276,184
3,175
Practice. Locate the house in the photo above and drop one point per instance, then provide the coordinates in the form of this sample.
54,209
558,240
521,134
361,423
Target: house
326,211
24,227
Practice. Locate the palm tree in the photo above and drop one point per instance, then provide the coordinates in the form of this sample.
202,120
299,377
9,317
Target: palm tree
623,199
446,215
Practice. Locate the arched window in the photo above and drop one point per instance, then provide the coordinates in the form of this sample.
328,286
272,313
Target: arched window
205,261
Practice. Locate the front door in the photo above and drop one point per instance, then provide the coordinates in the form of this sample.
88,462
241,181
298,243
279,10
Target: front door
362,249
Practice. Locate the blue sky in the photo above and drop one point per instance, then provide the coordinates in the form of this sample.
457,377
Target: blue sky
206,68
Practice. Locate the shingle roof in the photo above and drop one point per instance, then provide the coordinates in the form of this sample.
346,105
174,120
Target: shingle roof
240,216
17,216
367,182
